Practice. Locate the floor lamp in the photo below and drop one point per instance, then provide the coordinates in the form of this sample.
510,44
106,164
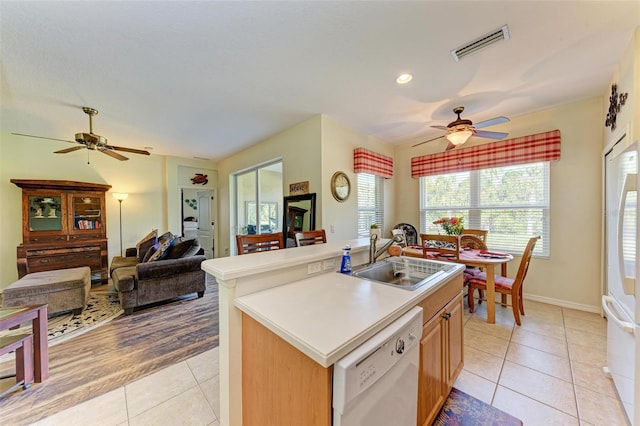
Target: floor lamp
120,197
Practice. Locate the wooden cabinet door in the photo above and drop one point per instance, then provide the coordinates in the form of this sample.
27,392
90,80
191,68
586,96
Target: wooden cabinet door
86,218
43,216
431,380
453,343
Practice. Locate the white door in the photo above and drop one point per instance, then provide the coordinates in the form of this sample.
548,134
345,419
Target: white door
205,222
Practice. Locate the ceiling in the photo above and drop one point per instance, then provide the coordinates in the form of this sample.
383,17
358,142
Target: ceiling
208,79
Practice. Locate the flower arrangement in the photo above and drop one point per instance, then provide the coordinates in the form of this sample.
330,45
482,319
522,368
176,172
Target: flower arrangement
451,225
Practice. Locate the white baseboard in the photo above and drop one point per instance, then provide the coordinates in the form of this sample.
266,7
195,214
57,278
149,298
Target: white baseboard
563,303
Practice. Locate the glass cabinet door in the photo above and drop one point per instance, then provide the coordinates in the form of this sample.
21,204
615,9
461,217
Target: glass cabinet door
44,213
87,212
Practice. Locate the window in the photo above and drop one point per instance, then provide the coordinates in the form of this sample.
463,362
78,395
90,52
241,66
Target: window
370,202
259,186
511,202
268,216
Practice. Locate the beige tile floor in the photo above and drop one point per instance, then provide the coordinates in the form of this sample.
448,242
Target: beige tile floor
546,372
186,393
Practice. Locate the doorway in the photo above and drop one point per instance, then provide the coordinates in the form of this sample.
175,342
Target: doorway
197,218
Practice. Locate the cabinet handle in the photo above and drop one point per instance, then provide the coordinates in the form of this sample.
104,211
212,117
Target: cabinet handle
446,316
44,260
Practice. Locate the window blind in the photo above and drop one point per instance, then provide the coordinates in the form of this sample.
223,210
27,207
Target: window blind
370,202
511,202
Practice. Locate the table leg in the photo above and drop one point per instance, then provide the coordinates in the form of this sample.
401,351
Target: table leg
491,294
41,345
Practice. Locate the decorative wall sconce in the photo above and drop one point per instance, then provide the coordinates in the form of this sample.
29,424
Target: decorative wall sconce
616,100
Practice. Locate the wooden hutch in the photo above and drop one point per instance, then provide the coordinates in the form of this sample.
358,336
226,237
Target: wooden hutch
63,226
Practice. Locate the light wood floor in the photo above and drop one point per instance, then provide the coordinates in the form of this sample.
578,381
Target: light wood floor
121,351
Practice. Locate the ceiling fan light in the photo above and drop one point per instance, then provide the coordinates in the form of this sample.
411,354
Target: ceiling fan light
404,78
459,137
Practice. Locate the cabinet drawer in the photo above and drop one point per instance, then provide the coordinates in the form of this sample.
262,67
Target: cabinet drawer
47,238
71,260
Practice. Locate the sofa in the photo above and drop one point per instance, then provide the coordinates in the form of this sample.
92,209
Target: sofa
142,279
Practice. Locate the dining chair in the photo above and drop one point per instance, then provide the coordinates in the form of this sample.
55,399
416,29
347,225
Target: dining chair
261,242
395,232
480,233
440,246
309,238
506,285
474,243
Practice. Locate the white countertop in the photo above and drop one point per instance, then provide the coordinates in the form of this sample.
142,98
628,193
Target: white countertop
329,315
232,267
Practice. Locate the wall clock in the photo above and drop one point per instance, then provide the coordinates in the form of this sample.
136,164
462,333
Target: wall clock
340,186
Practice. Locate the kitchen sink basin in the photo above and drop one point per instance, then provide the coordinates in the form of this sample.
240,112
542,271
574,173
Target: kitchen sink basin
405,273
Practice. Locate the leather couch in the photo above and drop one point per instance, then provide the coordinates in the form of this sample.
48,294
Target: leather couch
142,283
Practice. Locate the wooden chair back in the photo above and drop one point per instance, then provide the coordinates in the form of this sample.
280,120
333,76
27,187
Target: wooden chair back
472,242
309,238
448,245
260,242
395,232
524,265
480,233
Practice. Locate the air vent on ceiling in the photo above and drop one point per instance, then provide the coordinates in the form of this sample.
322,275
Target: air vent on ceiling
480,43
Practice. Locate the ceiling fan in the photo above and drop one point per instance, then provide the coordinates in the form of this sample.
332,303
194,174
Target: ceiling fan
92,141
460,130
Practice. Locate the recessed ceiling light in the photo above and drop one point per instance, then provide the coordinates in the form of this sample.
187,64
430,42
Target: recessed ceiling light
404,78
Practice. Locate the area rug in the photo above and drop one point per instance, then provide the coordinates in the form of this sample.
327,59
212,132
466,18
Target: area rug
461,409
101,308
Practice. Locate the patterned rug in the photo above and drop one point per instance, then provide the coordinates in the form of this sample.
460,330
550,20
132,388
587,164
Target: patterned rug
461,409
101,308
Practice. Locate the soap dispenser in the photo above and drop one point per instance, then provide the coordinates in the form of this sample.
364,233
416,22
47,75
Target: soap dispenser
345,266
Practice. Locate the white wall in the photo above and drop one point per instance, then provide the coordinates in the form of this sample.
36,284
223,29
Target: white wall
146,179
299,149
572,272
338,143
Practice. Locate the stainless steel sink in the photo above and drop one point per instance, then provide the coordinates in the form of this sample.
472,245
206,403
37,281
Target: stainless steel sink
405,273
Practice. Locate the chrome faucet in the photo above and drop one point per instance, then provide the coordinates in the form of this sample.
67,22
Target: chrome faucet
375,254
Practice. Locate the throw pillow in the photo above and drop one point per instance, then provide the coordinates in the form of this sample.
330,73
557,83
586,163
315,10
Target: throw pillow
179,248
149,253
166,236
161,251
193,250
147,241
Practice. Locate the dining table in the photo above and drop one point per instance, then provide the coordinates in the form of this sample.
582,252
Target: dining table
486,259
11,317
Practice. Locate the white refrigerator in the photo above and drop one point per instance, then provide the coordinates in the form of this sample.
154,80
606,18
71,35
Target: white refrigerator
622,301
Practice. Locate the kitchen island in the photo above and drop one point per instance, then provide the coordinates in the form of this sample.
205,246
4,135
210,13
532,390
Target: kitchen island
295,299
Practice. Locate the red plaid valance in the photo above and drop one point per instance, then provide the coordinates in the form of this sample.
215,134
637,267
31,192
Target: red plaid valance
526,149
365,161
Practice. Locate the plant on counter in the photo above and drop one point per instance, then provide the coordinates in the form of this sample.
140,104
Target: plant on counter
451,225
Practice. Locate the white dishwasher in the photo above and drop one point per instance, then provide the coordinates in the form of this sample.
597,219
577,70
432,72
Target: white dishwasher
377,383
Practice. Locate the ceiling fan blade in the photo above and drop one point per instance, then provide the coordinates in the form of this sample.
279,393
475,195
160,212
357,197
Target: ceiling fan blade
114,154
66,150
131,150
496,120
42,137
440,127
490,135
429,140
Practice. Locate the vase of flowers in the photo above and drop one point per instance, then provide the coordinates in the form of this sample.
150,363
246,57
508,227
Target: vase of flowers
451,225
